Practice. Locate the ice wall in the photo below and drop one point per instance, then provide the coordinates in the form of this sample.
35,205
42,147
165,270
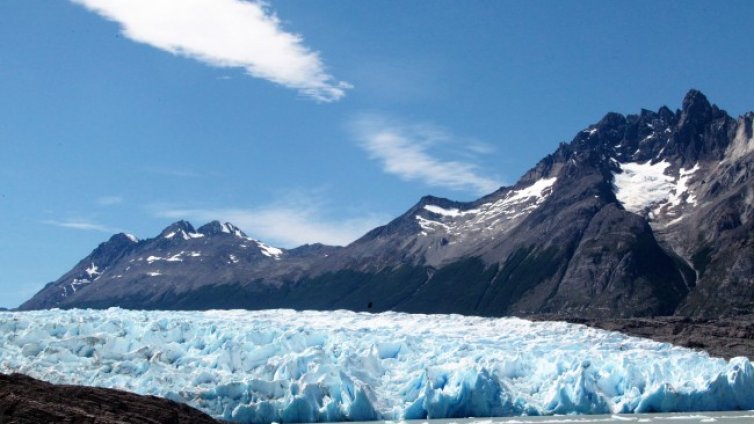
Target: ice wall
287,366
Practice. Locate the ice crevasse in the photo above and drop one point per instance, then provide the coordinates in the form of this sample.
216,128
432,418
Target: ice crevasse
287,366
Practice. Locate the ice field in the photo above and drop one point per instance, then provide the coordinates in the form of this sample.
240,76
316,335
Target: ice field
287,366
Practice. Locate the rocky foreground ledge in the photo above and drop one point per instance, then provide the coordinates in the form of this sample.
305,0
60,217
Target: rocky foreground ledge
722,337
30,401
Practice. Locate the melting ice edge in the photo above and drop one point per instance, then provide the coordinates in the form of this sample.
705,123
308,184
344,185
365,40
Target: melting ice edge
287,366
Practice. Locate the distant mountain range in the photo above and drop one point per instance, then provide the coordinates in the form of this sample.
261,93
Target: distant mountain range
639,215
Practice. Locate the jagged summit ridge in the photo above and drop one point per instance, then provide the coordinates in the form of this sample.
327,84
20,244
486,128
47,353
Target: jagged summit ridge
179,250
641,214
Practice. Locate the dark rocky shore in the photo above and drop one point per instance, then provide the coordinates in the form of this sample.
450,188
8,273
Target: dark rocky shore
25,400
723,337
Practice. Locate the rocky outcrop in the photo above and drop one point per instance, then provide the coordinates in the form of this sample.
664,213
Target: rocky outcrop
25,400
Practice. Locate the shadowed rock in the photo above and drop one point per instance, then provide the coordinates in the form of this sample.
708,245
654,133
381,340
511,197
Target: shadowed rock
30,401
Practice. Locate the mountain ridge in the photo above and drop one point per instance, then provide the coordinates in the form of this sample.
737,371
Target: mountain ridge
639,215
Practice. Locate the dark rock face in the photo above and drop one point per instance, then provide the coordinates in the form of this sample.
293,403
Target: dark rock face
29,401
618,254
639,215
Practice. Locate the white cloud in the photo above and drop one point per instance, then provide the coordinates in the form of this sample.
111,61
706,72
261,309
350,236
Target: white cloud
404,150
109,200
77,224
283,225
225,33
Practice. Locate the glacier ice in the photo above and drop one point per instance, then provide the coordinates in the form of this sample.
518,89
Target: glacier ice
287,366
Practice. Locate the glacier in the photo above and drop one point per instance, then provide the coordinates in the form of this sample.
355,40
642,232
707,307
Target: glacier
289,366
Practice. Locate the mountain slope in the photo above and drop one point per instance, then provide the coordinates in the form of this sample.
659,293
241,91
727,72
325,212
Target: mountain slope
639,215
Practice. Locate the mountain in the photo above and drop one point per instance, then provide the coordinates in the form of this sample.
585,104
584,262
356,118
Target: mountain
639,215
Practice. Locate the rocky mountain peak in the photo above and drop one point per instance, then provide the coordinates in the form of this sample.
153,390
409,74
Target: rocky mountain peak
436,201
611,120
178,226
232,229
216,227
114,247
123,238
665,114
695,103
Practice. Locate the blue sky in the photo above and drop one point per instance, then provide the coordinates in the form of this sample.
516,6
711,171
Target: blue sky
317,120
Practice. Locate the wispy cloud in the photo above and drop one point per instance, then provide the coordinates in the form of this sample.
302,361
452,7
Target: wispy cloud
225,33
409,151
80,224
109,200
285,224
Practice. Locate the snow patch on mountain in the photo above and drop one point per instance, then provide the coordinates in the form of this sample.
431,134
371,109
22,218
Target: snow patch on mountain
174,258
642,184
430,225
538,191
75,284
132,237
92,271
491,216
287,366
646,187
682,186
184,235
743,142
269,251
448,212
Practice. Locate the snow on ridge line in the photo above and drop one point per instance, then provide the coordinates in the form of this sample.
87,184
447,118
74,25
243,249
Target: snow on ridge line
442,211
497,215
287,366
537,189
184,235
453,212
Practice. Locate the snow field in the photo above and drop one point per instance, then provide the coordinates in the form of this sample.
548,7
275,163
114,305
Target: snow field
641,185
